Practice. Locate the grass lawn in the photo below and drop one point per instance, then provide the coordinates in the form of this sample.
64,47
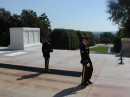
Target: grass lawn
102,49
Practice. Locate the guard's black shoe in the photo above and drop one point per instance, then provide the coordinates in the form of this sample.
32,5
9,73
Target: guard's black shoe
89,82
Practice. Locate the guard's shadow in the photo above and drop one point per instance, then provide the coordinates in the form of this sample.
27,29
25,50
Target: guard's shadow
40,70
69,91
29,76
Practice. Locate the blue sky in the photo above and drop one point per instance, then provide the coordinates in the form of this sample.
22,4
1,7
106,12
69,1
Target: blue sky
84,15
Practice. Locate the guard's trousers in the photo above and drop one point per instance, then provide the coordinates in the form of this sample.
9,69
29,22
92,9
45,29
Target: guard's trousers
87,71
46,63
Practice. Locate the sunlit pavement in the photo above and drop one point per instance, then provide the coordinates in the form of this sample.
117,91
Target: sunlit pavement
22,75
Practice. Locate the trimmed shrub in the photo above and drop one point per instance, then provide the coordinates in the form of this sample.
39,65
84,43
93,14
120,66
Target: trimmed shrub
117,40
68,39
117,45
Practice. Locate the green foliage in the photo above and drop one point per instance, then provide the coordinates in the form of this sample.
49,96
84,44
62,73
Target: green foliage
97,38
28,18
80,35
120,34
4,26
106,37
127,29
103,49
68,39
59,39
91,38
117,45
120,13
117,40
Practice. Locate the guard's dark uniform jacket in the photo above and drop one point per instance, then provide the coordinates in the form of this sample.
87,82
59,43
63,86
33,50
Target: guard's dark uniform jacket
46,49
86,62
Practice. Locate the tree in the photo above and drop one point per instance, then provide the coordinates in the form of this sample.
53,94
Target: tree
117,40
97,38
28,18
44,25
120,13
69,38
4,27
16,21
106,37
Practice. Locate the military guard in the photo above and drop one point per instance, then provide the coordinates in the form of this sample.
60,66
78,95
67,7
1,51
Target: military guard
46,49
86,61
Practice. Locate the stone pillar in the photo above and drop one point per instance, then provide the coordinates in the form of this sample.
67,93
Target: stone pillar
125,46
24,38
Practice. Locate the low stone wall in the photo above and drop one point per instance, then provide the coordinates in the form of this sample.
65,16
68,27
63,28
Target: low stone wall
125,47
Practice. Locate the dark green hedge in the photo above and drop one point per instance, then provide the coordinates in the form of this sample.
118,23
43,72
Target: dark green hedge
69,39
117,41
117,45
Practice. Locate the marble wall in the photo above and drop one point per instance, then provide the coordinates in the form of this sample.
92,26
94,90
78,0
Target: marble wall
23,37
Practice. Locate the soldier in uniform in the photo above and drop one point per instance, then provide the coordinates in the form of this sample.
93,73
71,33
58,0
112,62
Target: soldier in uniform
46,49
86,62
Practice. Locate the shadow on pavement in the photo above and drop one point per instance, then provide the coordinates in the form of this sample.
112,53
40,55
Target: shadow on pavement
40,70
69,91
6,49
29,76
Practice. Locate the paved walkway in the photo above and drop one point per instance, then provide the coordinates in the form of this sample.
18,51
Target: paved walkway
22,75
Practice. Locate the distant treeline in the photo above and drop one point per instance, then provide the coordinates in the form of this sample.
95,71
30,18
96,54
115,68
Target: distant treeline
69,39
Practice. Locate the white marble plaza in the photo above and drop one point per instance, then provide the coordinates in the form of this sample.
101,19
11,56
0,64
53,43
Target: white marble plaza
20,77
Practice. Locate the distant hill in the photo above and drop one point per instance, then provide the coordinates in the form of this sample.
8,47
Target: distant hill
98,33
